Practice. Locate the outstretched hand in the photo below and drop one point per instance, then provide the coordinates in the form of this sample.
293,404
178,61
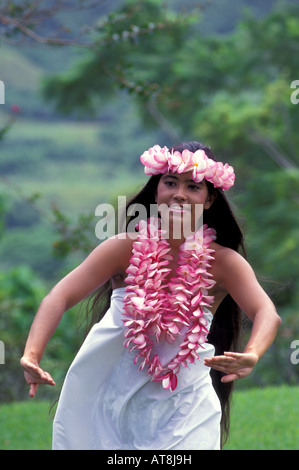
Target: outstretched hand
234,365
35,375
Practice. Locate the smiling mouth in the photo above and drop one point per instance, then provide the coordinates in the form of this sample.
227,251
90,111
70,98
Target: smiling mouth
178,208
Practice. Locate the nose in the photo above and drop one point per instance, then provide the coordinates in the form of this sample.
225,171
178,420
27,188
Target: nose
180,194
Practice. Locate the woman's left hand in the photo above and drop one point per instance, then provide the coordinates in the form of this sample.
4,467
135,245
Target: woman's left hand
234,365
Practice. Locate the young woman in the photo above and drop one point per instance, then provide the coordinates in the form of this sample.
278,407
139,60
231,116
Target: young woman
157,371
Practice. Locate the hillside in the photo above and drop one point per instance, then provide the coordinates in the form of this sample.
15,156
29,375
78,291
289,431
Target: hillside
57,162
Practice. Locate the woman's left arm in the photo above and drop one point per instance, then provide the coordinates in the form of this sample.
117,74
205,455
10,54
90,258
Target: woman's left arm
237,277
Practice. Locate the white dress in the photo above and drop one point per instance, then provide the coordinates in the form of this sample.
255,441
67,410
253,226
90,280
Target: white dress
106,403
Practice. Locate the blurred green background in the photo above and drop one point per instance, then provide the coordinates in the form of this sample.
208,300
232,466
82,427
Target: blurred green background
87,90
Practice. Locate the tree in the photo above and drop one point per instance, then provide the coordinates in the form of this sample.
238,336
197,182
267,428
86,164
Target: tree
235,87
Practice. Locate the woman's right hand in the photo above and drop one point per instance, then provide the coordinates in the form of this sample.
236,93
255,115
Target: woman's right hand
35,375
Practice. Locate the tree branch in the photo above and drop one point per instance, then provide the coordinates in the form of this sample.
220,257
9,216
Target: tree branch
36,37
272,150
162,122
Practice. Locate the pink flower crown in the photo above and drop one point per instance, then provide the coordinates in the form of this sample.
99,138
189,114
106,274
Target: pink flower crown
160,160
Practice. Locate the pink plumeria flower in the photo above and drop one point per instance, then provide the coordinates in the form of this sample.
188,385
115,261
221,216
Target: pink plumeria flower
155,160
170,381
199,166
159,160
181,162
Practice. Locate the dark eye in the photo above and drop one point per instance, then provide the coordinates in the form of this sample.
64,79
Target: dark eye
169,183
193,187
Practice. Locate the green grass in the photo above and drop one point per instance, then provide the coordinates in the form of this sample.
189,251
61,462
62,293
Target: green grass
265,419
25,426
262,419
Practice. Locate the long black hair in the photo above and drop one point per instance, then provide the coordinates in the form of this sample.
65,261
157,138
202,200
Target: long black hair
226,326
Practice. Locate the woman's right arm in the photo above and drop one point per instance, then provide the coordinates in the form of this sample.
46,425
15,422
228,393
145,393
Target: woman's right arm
106,260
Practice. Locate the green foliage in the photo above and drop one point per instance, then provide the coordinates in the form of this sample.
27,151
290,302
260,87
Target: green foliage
31,247
73,237
232,91
20,295
241,98
270,203
133,47
3,206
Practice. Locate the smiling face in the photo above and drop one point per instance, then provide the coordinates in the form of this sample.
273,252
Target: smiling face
181,201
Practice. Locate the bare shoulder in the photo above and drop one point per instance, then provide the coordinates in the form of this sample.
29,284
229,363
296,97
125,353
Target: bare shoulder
228,264
224,254
124,241
125,237
109,259
119,246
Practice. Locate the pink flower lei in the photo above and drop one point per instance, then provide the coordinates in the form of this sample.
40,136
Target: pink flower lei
152,312
160,160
